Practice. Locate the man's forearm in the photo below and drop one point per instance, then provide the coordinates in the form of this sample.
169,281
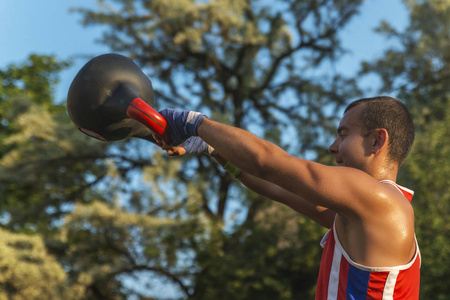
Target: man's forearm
240,147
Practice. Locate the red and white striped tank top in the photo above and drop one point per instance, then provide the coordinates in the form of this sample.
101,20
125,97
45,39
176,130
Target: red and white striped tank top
341,278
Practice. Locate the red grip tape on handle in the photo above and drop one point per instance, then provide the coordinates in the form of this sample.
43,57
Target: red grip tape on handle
140,111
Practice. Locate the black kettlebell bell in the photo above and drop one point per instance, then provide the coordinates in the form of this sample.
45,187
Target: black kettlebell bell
111,99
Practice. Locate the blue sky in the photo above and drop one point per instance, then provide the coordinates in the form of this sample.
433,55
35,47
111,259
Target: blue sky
47,27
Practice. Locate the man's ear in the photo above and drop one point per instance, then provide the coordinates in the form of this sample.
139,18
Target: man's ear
380,140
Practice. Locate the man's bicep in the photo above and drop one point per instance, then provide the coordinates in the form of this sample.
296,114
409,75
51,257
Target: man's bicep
341,189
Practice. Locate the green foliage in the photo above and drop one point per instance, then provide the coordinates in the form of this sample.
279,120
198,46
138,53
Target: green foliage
40,150
123,212
429,170
35,79
29,272
273,258
418,72
102,242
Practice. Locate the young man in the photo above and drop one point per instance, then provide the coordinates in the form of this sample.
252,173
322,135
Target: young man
370,252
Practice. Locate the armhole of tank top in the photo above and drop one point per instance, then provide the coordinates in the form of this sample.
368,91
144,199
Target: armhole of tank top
374,269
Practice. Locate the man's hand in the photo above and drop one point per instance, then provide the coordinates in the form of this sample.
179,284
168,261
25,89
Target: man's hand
182,124
193,145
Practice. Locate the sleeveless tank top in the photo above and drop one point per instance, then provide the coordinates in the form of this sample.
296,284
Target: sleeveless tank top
341,278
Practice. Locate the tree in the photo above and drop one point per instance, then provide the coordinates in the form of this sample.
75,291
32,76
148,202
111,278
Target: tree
24,265
418,71
48,170
29,190
113,213
39,149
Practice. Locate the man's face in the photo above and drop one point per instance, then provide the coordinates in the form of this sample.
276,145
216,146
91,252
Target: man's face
351,148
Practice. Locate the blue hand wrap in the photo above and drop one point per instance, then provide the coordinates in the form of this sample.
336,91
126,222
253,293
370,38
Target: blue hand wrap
182,124
195,145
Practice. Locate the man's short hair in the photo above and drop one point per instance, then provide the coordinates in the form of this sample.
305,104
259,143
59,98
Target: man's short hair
392,115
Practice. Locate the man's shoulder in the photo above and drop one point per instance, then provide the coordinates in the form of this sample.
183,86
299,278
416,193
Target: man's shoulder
396,196
378,200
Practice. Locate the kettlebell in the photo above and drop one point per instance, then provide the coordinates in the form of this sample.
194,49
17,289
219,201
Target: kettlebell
111,99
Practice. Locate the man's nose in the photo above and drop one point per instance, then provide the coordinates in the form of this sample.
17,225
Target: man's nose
333,149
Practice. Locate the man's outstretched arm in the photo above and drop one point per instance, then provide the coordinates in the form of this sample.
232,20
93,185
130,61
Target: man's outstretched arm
332,187
321,215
